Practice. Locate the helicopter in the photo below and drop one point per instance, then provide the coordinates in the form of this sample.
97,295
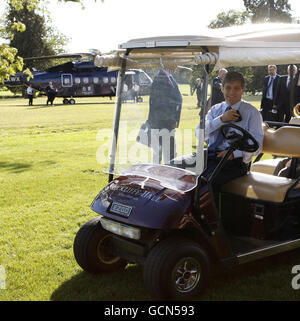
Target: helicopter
80,79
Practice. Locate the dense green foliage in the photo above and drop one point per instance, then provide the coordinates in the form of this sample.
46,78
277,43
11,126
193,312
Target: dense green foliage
269,11
10,59
256,11
230,18
39,39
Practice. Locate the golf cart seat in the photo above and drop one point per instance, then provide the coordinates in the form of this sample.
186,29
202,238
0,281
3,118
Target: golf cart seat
295,121
284,139
261,186
266,166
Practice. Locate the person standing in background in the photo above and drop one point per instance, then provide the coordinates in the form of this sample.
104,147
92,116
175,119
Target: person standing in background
51,92
198,87
282,99
269,93
216,91
29,92
165,104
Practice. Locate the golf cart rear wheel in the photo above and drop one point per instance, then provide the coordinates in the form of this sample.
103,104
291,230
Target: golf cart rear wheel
176,269
93,248
65,101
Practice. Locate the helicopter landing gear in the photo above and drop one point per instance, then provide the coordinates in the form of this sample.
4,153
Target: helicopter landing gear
69,101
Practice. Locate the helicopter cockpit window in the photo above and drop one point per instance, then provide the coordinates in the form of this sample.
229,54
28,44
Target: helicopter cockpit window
85,80
105,80
67,81
144,80
96,80
77,80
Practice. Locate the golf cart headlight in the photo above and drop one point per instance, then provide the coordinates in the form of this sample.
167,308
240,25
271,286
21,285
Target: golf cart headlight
121,229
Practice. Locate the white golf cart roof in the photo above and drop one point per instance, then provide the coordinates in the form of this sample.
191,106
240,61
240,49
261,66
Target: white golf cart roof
247,45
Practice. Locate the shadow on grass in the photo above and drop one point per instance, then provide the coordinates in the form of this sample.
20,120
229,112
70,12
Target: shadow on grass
266,279
123,285
14,167
39,106
22,167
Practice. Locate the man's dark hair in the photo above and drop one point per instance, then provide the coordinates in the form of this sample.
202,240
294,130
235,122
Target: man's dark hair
234,76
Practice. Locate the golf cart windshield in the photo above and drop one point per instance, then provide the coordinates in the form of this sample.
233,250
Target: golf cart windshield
157,109
157,116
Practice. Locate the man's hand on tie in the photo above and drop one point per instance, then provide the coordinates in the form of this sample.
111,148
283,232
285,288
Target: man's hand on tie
230,115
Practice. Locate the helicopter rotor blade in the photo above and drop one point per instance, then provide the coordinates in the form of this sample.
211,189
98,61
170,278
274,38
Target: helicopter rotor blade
61,56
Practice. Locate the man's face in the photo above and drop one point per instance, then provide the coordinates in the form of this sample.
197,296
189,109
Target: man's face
272,70
294,71
233,92
222,74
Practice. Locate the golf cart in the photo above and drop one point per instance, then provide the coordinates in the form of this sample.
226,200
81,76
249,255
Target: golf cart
164,216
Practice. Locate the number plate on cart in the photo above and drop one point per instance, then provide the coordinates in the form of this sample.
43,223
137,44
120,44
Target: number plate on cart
121,209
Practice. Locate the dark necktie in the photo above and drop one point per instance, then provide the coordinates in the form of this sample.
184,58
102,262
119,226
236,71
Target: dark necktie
212,148
289,82
271,81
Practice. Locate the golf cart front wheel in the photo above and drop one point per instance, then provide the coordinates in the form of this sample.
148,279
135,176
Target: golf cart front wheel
176,269
93,249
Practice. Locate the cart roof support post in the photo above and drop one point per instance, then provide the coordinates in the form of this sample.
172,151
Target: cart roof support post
200,163
118,106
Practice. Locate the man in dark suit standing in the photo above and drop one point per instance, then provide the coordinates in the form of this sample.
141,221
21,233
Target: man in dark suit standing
165,104
282,99
269,92
199,89
297,89
216,93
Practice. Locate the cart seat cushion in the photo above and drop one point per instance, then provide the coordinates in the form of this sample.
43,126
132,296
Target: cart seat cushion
261,186
295,121
283,141
266,166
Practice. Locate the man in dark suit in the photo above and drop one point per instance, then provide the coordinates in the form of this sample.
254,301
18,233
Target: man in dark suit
282,99
269,92
297,89
216,92
165,104
199,89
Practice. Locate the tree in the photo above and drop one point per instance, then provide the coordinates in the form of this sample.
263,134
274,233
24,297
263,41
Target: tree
38,39
268,10
10,61
256,11
230,18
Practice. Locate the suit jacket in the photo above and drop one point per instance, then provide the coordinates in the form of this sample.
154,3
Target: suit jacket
297,89
165,102
216,94
282,98
265,88
199,89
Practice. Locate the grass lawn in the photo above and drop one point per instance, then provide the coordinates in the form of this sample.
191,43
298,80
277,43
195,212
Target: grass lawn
49,175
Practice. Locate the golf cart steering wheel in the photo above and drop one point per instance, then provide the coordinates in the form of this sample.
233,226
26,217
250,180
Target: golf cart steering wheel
239,141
